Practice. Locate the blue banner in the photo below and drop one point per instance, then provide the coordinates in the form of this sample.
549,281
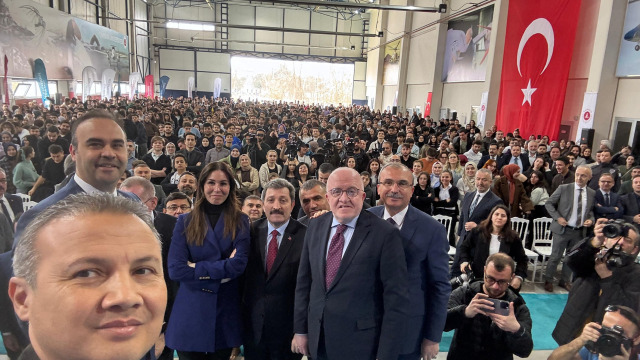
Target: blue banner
164,80
40,74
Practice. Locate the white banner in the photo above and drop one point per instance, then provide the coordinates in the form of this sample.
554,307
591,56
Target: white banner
190,85
482,114
217,85
89,76
107,83
586,116
134,80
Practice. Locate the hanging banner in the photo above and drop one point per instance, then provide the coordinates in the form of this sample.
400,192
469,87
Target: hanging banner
4,81
134,80
40,74
586,116
164,81
107,84
148,86
537,55
190,85
427,106
482,114
217,85
89,76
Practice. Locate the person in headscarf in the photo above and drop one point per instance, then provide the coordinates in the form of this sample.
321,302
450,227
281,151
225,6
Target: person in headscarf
233,159
8,163
467,183
205,145
511,190
436,170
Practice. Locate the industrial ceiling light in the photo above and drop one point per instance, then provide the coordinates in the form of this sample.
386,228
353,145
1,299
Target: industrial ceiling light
183,25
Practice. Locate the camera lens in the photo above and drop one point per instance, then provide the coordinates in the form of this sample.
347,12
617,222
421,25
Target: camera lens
611,231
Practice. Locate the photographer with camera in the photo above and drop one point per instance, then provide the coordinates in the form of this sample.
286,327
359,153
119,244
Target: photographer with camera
491,321
256,148
605,274
614,339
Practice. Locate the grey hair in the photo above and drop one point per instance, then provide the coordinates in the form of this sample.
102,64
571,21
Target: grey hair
311,183
148,189
482,170
26,257
395,165
279,184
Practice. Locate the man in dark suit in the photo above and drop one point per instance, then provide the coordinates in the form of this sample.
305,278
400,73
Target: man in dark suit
462,143
351,293
493,155
425,247
515,157
571,208
631,201
607,203
476,207
164,224
11,205
270,277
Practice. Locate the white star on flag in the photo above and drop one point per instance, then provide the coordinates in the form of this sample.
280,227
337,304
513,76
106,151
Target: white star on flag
527,93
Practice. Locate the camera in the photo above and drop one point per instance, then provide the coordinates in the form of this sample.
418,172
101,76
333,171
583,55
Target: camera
350,147
608,344
374,154
615,228
615,257
253,140
465,278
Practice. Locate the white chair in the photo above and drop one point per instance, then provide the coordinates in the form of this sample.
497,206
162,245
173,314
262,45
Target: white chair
446,221
29,204
521,226
542,240
25,197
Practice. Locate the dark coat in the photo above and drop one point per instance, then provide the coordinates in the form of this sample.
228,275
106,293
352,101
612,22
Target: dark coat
165,224
501,188
630,205
423,199
475,250
602,210
506,159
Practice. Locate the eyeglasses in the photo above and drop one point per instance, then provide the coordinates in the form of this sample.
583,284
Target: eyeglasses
490,280
624,312
351,192
403,184
176,207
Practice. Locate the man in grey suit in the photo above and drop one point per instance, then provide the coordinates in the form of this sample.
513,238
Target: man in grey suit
476,207
351,292
571,207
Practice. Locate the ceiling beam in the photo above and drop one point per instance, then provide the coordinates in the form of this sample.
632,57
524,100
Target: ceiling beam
352,5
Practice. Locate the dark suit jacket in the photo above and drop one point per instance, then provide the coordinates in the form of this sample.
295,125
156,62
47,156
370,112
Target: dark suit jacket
506,159
15,202
426,244
268,301
630,206
364,310
601,210
165,224
484,159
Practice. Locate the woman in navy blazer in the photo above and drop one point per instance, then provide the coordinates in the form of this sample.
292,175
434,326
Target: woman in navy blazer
209,251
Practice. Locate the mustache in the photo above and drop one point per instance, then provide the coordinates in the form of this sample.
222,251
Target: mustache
394,195
276,212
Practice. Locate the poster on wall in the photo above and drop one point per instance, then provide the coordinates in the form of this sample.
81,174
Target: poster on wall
66,44
467,46
629,56
391,66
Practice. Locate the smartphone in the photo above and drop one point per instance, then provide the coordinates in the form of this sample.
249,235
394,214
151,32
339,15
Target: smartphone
500,307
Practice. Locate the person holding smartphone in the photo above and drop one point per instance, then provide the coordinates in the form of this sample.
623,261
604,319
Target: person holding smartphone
482,330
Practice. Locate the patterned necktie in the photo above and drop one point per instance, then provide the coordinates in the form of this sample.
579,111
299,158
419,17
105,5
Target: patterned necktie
334,257
272,251
579,219
474,204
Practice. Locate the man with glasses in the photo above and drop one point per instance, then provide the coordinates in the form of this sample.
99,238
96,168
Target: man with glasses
605,274
426,246
142,169
177,203
622,317
351,293
480,331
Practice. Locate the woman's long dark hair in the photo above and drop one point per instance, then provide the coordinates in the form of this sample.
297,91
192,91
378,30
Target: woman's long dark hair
233,221
507,234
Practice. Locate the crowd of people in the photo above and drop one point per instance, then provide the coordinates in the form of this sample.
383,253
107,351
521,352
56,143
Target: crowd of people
292,229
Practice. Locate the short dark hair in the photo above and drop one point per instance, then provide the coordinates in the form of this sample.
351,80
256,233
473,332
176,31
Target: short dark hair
93,114
55,149
564,159
177,195
500,261
53,129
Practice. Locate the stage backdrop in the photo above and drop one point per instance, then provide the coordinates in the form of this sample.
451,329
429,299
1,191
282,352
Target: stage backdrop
66,44
537,56
629,56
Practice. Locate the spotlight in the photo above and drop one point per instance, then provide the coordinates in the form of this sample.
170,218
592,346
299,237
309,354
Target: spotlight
442,8
353,47
380,33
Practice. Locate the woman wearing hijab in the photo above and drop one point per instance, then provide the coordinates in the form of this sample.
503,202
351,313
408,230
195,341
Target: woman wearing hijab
436,170
233,159
511,190
248,176
467,183
205,145
8,163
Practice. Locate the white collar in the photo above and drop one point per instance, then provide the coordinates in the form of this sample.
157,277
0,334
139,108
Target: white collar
398,218
88,188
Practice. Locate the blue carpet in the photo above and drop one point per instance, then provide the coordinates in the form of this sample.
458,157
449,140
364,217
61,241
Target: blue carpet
545,311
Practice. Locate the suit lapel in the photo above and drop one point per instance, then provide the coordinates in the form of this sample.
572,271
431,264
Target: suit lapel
409,224
285,246
262,243
324,222
362,225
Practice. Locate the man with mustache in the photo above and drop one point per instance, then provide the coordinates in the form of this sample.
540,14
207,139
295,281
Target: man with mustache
270,277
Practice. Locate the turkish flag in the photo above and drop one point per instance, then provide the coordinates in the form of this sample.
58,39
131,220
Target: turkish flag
535,68
427,105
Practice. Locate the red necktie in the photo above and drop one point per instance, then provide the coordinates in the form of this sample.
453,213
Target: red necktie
272,251
335,254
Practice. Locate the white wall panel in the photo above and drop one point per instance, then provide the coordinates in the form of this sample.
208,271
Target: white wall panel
323,22
388,95
627,104
422,58
215,62
241,15
176,59
373,57
359,90
360,70
83,10
177,79
205,81
297,19
269,17
417,95
271,37
296,38
118,8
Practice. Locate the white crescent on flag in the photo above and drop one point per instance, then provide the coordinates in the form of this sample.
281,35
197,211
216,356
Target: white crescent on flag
543,27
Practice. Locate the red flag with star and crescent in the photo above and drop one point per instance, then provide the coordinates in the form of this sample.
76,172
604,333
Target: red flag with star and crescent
535,68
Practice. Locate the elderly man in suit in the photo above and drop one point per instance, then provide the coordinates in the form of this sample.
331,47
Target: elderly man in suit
351,293
270,277
425,248
11,205
571,208
607,203
476,207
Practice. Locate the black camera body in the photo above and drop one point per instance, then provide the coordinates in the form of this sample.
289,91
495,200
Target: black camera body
465,278
608,344
615,228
